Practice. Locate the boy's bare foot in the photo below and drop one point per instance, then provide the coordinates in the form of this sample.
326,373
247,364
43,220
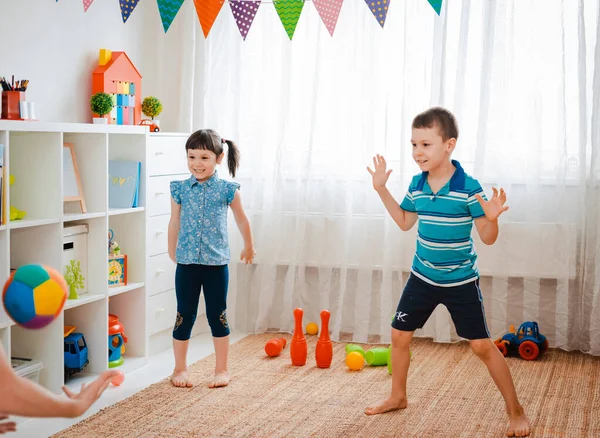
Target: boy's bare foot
519,424
220,379
387,405
180,379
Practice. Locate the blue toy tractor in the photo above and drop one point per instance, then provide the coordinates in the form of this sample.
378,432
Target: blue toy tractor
528,341
76,354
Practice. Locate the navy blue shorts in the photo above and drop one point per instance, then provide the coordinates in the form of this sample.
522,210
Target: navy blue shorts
464,303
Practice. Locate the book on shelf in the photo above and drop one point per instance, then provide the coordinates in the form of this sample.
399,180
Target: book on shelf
123,183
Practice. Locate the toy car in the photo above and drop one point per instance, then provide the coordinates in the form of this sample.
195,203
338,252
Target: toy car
153,126
76,354
528,341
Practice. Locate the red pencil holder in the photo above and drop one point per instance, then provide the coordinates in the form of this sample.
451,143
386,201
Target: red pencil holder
11,109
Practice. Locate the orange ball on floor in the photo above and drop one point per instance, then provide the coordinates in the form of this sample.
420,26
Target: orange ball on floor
355,361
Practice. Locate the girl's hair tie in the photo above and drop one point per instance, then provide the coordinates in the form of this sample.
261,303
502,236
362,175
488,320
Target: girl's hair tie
223,140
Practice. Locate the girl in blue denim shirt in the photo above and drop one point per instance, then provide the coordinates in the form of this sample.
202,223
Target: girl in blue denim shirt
199,245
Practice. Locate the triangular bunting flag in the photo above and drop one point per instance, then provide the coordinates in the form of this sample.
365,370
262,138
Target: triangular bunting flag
86,4
379,8
207,11
289,13
329,10
436,4
244,12
127,7
168,10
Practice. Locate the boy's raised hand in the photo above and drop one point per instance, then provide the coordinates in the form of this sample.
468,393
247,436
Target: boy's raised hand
380,175
495,206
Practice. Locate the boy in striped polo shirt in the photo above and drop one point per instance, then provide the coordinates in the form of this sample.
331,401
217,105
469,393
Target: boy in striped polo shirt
446,201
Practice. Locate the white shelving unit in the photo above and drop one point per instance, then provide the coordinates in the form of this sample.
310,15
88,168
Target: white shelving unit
34,156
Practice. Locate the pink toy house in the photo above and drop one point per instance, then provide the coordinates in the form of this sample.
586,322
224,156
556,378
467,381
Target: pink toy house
116,75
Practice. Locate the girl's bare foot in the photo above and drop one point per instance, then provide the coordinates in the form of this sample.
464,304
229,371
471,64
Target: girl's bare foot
519,424
220,379
180,379
387,405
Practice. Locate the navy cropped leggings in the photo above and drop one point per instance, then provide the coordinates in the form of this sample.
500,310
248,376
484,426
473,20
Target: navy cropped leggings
213,280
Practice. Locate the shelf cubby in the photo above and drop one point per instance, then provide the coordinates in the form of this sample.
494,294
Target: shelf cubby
91,152
130,233
45,345
130,148
36,245
88,319
130,308
97,249
35,161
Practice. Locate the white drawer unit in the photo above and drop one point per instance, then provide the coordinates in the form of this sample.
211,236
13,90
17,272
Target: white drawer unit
159,195
161,274
166,155
162,311
167,162
158,230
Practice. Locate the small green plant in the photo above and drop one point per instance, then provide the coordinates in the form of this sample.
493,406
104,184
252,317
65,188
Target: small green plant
74,278
152,107
101,104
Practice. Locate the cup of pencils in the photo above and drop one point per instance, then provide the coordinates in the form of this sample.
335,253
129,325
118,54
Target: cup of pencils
12,96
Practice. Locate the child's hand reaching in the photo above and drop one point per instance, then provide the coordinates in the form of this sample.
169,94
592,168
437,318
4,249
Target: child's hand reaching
247,255
495,206
380,175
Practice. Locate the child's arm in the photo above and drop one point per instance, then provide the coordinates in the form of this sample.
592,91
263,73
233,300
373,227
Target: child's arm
22,397
404,219
174,223
487,226
244,226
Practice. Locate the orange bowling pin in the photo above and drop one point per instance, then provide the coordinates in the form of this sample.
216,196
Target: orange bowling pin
298,348
324,351
274,346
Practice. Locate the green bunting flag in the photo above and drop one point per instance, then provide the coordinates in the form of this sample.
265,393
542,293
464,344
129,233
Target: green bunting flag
289,12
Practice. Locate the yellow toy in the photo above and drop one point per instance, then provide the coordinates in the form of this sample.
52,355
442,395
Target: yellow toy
312,328
355,361
15,214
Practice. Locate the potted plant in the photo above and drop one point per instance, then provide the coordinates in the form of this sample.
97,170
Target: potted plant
101,104
152,107
74,278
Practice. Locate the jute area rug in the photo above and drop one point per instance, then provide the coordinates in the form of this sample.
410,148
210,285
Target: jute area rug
450,394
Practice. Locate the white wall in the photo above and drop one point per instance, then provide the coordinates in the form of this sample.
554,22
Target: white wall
55,46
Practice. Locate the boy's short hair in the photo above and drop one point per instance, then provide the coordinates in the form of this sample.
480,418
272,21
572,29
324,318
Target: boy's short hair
439,117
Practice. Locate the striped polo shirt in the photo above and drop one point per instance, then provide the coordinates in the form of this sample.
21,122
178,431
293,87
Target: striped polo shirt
445,253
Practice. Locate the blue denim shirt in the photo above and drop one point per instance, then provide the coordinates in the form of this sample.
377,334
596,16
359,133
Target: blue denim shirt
203,236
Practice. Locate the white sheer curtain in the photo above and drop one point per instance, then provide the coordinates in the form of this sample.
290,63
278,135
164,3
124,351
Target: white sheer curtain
309,115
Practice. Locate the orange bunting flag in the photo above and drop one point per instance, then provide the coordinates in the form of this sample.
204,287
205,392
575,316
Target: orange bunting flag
207,11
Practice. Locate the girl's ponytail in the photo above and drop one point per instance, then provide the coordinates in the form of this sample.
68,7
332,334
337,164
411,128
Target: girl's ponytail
233,157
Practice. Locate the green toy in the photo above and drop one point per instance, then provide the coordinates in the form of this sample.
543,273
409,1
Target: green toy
377,356
355,347
74,278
